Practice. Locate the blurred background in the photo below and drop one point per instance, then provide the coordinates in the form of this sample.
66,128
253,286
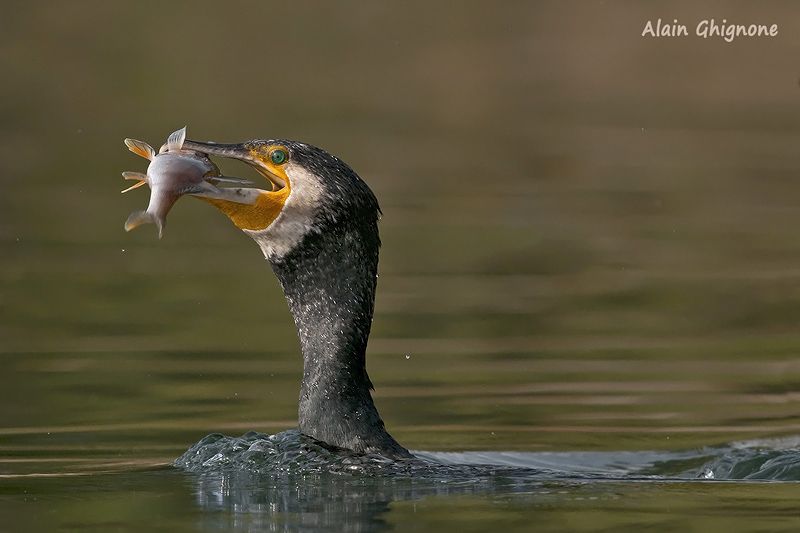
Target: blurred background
591,238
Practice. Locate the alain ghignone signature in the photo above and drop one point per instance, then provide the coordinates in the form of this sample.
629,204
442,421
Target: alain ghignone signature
708,28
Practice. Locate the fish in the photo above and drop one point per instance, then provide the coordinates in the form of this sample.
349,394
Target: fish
172,173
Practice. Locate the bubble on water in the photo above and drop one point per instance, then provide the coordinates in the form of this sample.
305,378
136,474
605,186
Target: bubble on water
706,473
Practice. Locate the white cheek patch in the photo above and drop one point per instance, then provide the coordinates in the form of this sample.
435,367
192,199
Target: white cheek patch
296,219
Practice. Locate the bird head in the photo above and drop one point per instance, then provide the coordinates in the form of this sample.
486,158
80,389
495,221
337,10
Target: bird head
308,190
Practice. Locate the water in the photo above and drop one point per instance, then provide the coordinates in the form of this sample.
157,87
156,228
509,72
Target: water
287,482
289,452
587,316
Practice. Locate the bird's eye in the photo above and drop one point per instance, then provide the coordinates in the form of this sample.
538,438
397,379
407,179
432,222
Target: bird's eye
278,156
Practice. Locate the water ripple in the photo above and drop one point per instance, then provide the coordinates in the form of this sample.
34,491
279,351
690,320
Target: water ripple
289,452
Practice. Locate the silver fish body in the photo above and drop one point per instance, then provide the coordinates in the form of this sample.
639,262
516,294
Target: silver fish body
172,173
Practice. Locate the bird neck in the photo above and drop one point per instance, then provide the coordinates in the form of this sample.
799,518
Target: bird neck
329,283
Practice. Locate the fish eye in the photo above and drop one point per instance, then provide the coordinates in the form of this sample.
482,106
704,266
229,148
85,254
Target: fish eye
278,156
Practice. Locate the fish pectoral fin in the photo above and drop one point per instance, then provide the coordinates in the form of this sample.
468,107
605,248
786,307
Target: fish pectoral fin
229,179
201,188
175,140
135,176
134,186
140,148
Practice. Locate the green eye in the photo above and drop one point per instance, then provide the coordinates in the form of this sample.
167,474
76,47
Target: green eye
278,156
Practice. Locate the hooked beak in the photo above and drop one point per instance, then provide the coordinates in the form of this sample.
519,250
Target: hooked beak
240,151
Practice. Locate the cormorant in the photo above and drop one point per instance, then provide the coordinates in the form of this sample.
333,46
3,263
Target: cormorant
318,228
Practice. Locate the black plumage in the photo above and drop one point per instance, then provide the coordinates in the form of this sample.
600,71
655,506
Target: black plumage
329,279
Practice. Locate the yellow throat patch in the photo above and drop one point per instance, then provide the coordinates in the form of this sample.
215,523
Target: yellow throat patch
267,205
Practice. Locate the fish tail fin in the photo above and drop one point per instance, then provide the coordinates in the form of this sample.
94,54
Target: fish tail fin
143,217
175,140
140,148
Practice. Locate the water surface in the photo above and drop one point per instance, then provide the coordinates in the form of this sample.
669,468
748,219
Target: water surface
588,286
